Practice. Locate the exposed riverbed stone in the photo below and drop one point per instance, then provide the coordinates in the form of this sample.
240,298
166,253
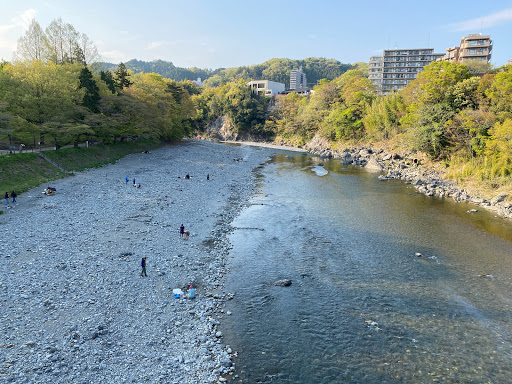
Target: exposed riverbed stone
74,306
409,168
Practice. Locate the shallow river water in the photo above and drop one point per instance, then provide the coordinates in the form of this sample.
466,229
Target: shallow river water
362,308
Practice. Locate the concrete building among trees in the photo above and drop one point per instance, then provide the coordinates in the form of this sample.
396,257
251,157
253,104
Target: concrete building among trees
398,67
266,87
298,79
472,47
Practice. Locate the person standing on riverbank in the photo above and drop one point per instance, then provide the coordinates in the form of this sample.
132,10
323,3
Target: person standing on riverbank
143,265
182,230
13,196
6,197
126,178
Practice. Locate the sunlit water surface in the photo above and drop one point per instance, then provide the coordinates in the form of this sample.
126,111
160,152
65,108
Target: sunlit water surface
362,308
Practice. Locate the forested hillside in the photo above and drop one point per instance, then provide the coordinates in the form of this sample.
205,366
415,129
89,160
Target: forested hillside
460,115
49,95
451,112
164,68
316,68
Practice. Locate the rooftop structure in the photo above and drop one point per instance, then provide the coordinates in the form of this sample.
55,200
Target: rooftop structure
266,87
475,47
472,47
398,67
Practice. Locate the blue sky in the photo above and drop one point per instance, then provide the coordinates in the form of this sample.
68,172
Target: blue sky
228,33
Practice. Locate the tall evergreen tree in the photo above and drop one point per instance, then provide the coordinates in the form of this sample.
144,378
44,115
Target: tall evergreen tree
107,77
92,95
121,77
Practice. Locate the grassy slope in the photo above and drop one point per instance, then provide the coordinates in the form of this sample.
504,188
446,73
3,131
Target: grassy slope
22,172
79,159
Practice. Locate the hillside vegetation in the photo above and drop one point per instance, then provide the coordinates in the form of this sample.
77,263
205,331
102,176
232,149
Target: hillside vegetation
457,115
278,70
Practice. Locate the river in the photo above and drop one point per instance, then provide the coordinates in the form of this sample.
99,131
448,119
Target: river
362,307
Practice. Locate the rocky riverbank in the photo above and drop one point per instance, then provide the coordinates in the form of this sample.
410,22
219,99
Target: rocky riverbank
409,168
75,308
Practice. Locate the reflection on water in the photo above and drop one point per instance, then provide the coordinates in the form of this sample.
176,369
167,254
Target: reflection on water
362,307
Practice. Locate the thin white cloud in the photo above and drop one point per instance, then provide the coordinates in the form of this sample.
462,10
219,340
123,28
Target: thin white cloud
127,36
492,20
155,44
24,19
9,33
114,56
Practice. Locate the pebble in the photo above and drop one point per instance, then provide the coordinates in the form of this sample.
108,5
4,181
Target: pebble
76,268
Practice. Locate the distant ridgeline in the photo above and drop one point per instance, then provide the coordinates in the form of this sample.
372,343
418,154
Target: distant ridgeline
317,68
164,68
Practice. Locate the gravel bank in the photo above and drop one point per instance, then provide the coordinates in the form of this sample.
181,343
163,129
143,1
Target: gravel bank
75,308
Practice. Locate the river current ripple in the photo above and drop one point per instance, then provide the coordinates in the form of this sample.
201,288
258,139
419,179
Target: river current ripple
363,308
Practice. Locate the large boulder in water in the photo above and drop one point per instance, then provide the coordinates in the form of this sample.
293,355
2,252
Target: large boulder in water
283,283
346,158
373,165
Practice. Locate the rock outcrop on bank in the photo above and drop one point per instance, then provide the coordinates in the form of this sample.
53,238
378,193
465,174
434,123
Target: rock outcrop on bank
408,168
74,306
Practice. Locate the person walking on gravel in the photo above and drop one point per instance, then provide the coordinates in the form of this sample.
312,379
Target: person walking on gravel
6,197
13,196
143,265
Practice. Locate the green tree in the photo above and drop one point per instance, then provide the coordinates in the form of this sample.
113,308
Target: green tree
107,77
464,94
499,150
91,96
39,92
467,131
428,131
382,118
499,93
121,77
435,83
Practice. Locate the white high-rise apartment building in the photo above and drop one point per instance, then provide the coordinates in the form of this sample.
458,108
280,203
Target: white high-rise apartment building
474,46
298,79
398,67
